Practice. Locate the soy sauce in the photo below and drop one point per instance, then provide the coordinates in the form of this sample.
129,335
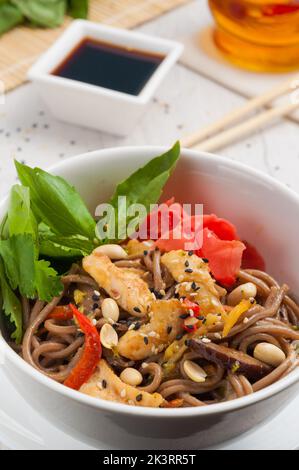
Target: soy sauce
109,66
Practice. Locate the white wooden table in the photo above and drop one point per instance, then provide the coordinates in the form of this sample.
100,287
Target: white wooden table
184,102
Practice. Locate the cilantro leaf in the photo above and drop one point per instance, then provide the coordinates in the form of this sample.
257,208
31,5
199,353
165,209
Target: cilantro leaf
56,203
11,306
48,284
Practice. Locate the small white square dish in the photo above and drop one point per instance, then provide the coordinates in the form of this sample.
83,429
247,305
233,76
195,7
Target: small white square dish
112,110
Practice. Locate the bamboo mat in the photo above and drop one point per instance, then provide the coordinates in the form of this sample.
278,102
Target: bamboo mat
21,47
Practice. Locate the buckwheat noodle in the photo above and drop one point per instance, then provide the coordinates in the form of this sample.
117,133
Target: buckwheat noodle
54,347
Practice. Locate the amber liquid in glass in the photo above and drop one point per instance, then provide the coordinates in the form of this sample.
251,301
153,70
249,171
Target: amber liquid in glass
260,35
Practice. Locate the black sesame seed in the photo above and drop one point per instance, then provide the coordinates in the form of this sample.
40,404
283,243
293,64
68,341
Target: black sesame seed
145,339
179,336
137,309
189,270
187,343
139,397
122,322
205,260
201,317
95,306
145,252
184,316
169,330
193,286
104,384
190,253
252,301
186,263
158,295
95,297
197,288
137,326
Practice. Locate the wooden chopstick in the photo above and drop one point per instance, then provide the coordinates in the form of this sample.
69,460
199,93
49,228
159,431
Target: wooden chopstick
203,139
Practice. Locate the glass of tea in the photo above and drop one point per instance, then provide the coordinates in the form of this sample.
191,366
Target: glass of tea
260,35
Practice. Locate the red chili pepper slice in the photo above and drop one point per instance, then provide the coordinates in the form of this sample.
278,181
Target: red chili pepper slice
62,312
82,372
191,306
190,328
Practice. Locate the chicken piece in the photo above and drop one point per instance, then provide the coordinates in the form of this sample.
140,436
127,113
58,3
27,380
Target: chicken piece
195,281
123,285
135,247
153,337
105,384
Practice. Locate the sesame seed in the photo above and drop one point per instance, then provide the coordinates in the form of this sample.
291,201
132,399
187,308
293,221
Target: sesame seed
153,296
179,336
246,320
187,263
153,349
96,292
139,397
100,386
104,383
184,316
145,339
95,306
162,292
190,253
193,285
189,270
95,297
218,335
123,393
145,252
94,322
137,326
181,277
206,340
205,260
131,327
187,343
144,365
169,330
137,309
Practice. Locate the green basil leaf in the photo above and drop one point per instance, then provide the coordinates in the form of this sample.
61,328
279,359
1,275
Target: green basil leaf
20,217
146,184
78,8
56,203
10,16
47,13
58,246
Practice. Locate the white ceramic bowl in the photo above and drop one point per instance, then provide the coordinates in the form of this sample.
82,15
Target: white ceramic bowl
266,214
94,106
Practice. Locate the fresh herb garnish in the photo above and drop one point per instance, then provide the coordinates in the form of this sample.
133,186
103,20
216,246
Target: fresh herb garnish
47,218
144,186
43,13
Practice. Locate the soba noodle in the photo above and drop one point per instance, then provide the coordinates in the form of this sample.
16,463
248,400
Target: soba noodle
54,347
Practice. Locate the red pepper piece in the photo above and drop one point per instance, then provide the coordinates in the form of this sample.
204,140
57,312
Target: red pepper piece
82,372
191,306
62,312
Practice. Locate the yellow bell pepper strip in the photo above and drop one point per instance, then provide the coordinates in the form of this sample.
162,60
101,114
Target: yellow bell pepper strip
231,318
